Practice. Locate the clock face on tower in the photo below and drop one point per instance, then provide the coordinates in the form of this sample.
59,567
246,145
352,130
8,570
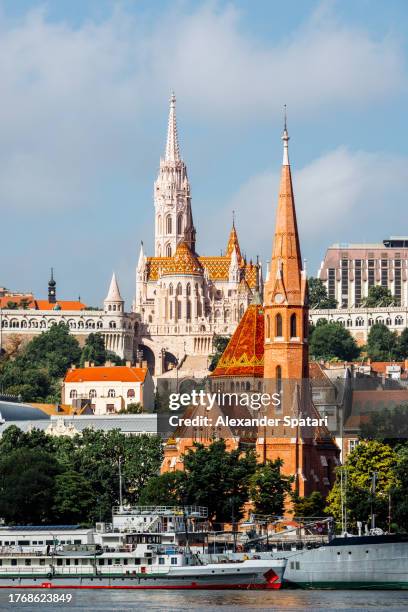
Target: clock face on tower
278,298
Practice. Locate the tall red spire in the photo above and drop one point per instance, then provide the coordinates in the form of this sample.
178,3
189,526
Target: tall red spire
286,315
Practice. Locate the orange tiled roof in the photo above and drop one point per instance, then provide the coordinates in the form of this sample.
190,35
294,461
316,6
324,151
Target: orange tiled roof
183,262
233,243
17,299
244,355
63,304
106,373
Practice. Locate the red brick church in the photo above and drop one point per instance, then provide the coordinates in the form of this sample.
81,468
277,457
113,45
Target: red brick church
269,352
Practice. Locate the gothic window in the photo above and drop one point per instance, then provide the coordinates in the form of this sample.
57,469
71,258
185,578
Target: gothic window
188,289
293,326
171,289
217,314
99,324
73,394
226,316
370,322
110,307
268,326
398,320
114,307
159,225
178,309
169,225
196,288
112,325
188,310
199,309
380,320
180,224
179,290
168,250
388,321
171,310
349,322
359,322
278,325
241,311
111,393
92,393
278,378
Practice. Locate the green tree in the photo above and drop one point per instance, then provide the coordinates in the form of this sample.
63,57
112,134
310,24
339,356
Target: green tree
332,340
378,296
55,350
27,478
218,479
382,343
368,457
219,345
318,297
402,345
73,497
312,505
268,488
399,493
166,489
94,350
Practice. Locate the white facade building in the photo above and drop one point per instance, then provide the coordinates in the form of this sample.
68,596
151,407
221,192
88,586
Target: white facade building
184,299
108,389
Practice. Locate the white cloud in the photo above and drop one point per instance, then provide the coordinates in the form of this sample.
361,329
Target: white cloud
76,105
343,196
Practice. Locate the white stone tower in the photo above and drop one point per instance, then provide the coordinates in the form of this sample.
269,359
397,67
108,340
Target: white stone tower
171,193
113,301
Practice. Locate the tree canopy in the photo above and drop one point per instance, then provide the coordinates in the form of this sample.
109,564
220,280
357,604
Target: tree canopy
318,297
332,340
268,488
69,480
382,343
378,296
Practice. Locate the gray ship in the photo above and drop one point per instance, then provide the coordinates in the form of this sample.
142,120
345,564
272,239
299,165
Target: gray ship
359,562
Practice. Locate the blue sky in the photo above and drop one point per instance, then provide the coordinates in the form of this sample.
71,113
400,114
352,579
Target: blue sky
83,112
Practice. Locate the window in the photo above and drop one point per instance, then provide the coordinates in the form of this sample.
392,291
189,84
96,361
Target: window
278,325
352,444
171,289
111,393
174,560
293,326
344,282
371,272
357,282
159,225
359,322
399,320
180,224
73,394
179,290
161,560
397,280
268,326
131,393
278,378
92,393
188,289
168,250
169,225
384,271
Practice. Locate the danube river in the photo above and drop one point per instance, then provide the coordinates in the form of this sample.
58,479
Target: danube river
179,601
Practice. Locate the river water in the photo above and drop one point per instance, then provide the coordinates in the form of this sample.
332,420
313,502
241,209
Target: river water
225,601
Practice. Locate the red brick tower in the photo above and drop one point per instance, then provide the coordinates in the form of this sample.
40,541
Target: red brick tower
285,292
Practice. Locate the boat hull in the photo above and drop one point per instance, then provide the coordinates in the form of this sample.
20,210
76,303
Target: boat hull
363,566
200,577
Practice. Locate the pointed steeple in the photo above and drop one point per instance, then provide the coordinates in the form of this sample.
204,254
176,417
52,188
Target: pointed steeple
190,231
233,273
286,264
141,260
113,293
172,145
233,243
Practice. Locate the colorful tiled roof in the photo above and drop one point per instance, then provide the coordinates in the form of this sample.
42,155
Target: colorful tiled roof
106,373
184,261
244,355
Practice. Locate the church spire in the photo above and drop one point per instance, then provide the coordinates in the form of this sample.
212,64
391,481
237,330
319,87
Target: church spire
172,145
233,243
286,261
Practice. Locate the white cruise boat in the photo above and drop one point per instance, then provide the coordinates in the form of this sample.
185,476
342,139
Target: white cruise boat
144,548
